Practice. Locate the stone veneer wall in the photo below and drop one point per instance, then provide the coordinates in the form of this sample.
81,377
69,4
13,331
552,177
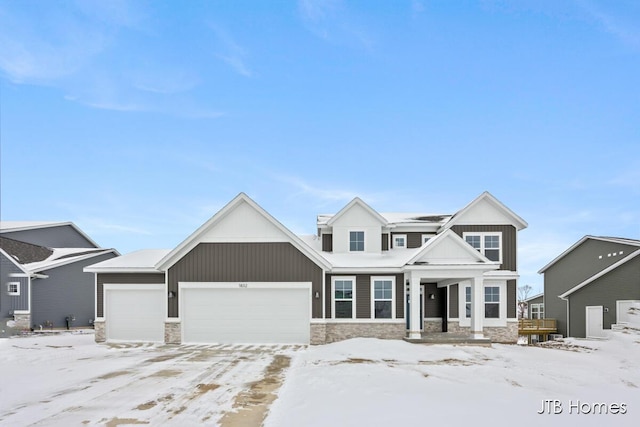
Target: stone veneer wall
23,321
172,332
344,331
318,333
100,331
433,326
506,335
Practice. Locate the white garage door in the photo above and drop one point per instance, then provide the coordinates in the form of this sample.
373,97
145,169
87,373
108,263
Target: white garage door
257,313
135,312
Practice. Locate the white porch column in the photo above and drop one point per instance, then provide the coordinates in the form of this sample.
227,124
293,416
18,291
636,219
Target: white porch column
477,307
414,300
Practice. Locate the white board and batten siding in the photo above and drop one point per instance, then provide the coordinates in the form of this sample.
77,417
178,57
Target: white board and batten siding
135,312
253,312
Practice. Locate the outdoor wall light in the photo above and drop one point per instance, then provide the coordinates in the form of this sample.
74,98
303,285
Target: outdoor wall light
317,295
432,296
171,294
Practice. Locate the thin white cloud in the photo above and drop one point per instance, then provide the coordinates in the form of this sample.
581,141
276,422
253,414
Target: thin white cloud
230,51
331,21
618,23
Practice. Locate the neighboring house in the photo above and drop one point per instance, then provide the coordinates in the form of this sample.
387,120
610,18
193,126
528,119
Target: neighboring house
591,285
41,274
535,307
243,277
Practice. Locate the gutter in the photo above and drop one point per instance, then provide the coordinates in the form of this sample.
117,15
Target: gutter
567,300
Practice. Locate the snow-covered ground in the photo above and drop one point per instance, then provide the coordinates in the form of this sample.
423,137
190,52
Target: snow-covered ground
70,380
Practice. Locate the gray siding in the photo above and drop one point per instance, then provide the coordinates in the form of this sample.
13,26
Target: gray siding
537,300
453,301
53,237
432,307
327,242
414,239
245,262
363,294
575,267
508,241
512,299
623,283
67,290
123,278
385,241
9,303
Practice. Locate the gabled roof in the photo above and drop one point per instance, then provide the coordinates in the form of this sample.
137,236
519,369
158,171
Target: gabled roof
24,252
11,226
534,297
623,241
66,256
516,220
16,263
601,273
142,261
459,244
357,201
192,241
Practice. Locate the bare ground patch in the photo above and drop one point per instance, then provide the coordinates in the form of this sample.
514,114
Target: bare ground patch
252,405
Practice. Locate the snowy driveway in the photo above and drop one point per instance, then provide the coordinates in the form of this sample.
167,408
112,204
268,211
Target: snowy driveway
69,380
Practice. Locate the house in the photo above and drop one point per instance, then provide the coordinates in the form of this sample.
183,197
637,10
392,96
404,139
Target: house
591,285
243,277
41,275
534,307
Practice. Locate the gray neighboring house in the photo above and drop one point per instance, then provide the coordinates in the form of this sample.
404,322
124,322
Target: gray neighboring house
535,307
41,275
591,285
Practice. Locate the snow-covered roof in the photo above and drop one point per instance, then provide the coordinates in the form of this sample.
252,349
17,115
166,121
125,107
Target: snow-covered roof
142,261
398,218
64,256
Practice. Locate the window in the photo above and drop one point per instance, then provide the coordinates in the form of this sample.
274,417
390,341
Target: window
491,302
356,241
537,311
467,301
13,288
343,297
425,238
383,298
399,240
488,244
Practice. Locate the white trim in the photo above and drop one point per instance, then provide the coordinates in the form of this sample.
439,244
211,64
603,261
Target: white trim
600,274
51,225
132,286
482,235
517,221
501,321
587,332
632,301
398,236
13,293
352,321
366,207
392,279
484,262
95,298
21,311
43,265
424,238
333,296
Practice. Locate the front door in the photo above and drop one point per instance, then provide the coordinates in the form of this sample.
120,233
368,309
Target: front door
408,308
594,322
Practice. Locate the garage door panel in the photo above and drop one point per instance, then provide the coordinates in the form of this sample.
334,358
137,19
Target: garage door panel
135,315
246,315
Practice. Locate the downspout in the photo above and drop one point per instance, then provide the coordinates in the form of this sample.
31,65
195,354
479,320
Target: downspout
567,300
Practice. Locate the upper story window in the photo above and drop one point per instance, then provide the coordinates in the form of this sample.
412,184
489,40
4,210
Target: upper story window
399,240
425,238
13,288
343,298
356,241
537,311
488,244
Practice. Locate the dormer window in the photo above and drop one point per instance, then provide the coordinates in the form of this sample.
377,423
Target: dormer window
400,241
356,241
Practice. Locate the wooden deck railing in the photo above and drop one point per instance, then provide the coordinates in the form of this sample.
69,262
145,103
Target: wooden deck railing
537,326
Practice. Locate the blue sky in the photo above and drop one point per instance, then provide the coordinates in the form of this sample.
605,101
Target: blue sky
139,120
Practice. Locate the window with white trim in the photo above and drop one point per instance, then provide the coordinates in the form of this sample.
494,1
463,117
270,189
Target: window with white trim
13,288
383,301
343,298
537,311
491,302
488,244
467,301
356,241
425,238
399,240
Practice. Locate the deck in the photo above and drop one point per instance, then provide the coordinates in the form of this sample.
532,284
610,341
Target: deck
540,327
